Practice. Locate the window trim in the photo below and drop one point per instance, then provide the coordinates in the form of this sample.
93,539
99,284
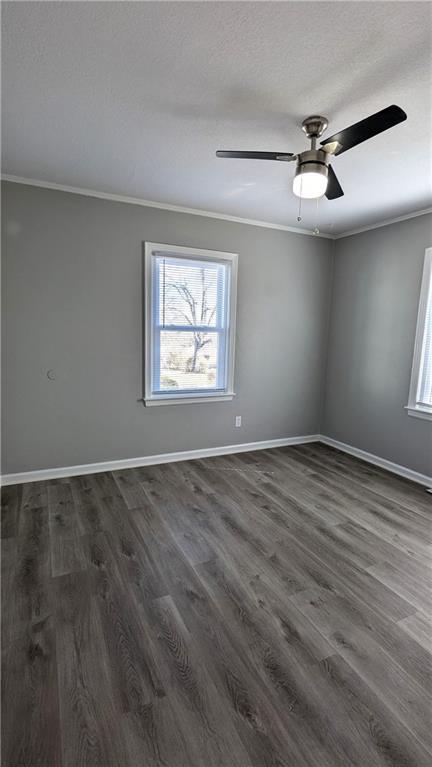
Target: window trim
177,251
415,408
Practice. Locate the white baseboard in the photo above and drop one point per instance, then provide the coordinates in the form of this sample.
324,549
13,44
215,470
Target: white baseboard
187,455
403,471
150,460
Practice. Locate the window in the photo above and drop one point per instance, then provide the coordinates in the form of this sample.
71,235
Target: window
190,304
420,395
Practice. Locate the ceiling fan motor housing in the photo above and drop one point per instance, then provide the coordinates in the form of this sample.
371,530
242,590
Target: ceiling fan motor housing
313,161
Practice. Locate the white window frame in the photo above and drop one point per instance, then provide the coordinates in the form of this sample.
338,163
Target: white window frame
177,251
415,407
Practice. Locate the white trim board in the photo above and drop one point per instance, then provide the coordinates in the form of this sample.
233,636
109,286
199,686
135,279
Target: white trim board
417,398
383,463
160,205
386,222
187,455
151,460
198,212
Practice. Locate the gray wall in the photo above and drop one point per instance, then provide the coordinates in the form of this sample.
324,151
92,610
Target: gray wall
375,295
72,272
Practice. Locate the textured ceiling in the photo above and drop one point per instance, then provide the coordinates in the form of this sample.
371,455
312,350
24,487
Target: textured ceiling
134,99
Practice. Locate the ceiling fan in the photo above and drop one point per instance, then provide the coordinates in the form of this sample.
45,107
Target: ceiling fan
314,175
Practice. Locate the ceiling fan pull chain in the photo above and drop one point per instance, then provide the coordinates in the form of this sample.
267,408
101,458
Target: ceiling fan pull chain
299,218
316,230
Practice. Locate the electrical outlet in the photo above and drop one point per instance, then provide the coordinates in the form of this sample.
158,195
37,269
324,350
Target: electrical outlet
238,421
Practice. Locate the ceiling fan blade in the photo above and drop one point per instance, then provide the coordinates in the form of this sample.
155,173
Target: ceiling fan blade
257,155
367,128
334,189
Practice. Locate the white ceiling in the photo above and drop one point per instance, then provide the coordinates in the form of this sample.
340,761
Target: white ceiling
134,99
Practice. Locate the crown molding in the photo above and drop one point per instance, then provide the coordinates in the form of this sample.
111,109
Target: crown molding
386,222
198,212
160,205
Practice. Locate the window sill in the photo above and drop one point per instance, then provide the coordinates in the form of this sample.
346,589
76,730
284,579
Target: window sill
188,399
419,412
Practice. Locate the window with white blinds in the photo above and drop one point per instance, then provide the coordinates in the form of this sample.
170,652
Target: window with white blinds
420,396
190,324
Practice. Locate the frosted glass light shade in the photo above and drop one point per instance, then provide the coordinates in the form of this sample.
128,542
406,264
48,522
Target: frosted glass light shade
310,184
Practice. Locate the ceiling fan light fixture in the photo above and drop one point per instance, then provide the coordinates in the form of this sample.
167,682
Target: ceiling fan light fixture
310,180
315,175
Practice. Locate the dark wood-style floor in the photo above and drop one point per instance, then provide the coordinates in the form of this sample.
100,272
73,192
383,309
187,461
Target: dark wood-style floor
269,608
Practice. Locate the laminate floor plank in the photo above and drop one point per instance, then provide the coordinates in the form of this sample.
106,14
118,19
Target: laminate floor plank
273,519
34,496
419,627
129,487
384,520
284,618
87,705
335,574
87,503
287,669
136,556
405,583
186,474
306,505
387,484
8,586
254,713
373,546
10,510
154,737
129,652
30,711
63,519
391,487
181,511
249,533
392,742
169,571
67,554
333,612
348,473
103,484
409,701
338,480
32,590
263,609
201,715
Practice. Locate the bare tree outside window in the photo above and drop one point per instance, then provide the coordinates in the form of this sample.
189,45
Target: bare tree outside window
195,310
188,299
188,311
